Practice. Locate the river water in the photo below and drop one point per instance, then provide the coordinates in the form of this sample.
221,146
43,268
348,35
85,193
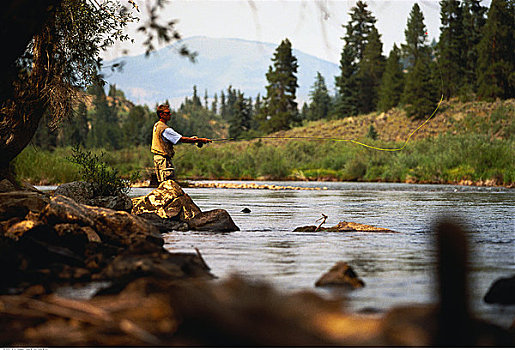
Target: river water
397,268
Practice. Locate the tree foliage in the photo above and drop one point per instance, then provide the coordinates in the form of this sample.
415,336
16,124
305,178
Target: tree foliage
279,111
320,101
392,83
496,61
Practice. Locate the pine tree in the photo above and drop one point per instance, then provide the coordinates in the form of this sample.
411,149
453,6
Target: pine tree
105,131
196,99
416,37
214,104
419,91
450,48
75,131
346,101
370,72
241,118
473,21
279,110
420,94
392,83
496,61
320,100
358,30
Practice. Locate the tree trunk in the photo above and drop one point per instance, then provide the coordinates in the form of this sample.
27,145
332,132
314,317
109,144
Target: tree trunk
21,114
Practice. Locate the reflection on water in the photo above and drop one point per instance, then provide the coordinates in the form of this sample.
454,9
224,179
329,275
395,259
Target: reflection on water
396,267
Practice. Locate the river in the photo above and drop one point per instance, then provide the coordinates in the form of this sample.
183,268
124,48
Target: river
397,268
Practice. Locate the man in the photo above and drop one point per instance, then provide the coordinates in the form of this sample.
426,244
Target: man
163,139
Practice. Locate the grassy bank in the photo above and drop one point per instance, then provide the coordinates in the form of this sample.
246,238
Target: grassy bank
469,143
448,158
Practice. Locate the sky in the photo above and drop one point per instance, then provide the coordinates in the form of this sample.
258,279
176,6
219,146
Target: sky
312,26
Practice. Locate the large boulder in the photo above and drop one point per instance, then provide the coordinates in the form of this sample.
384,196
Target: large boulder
83,192
340,275
170,203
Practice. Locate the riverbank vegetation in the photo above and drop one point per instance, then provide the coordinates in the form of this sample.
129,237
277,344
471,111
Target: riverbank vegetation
467,143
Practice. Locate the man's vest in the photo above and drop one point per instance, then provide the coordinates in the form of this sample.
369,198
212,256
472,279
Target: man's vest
160,146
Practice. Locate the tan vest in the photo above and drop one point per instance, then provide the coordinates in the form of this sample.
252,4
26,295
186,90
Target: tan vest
160,146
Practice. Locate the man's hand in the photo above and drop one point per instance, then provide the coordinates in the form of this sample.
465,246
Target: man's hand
200,141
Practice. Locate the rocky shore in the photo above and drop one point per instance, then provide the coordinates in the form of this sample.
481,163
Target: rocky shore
143,295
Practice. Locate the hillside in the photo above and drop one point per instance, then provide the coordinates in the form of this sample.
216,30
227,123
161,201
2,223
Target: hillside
164,75
495,119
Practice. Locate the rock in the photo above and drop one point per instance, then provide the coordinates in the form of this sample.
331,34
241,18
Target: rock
157,264
167,201
502,291
245,210
170,202
343,226
217,220
115,227
56,240
6,186
20,203
164,224
82,192
341,275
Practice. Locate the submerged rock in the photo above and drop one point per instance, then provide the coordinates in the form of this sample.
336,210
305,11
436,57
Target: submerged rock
172,204
502,291
83,192
341,275
343,226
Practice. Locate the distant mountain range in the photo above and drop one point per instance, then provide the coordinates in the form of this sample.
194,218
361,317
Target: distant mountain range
220,62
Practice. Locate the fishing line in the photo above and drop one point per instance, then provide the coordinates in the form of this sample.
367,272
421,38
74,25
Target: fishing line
347,140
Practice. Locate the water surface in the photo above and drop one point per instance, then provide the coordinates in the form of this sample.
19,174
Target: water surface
396,267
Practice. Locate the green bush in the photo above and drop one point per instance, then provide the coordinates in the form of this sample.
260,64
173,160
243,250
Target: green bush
105,181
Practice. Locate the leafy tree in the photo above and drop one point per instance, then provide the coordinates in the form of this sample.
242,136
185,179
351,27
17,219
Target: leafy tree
496,62
450,48
370,72
279,110
320,100
392,83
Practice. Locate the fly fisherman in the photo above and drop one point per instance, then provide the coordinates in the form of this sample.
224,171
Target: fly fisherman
163,139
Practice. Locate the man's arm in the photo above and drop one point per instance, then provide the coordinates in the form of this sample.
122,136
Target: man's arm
174,137
194,139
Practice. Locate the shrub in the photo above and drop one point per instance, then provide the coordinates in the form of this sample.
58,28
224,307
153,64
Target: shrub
104,180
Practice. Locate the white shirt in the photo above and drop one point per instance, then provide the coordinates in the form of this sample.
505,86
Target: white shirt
171,135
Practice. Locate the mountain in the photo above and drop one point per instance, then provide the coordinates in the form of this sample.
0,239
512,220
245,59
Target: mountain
220,62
